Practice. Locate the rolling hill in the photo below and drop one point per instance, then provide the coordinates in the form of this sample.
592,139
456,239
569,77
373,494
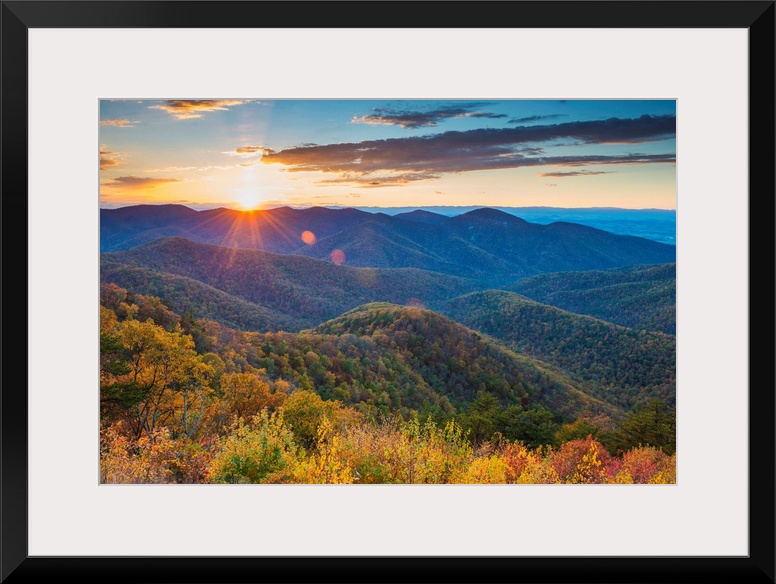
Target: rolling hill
641,297
182,294
459,363
244,287
614,363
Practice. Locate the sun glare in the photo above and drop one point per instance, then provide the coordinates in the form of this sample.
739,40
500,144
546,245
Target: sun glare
249,201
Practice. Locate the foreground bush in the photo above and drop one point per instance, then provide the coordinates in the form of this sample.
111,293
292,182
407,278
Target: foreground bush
267,449
263,451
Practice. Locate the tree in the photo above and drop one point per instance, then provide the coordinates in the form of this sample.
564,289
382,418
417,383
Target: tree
304,411
576,430
652,425
168,375
244,395
533,426
118,390
482,417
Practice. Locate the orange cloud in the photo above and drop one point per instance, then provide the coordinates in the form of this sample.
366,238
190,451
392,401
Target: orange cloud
107,159
138,183
369,180
119,123
189,109
250,151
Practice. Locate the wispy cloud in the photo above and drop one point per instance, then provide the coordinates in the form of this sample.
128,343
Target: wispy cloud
138,183
536,118
189,109
172,169
250,151
480,149
624,159
380,181
197,168
108,159
573,173
119,123
418,119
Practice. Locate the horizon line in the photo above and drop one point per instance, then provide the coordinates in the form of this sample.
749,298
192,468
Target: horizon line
377,208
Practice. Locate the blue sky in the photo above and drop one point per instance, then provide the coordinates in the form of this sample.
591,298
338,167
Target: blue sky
250,153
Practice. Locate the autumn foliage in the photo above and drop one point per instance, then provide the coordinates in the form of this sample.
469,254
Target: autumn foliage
177,410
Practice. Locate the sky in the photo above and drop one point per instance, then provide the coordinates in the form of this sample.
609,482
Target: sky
255,153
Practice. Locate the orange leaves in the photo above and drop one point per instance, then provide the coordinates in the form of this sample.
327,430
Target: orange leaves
582,461
244,395
154,458
647,465
171,405
266,450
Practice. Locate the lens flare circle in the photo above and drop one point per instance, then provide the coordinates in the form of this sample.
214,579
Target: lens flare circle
338,257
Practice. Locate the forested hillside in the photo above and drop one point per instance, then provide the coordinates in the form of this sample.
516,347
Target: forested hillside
286,290
619,365
461,363
640,297
187,400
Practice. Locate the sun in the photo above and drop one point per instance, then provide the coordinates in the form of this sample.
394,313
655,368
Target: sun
248,200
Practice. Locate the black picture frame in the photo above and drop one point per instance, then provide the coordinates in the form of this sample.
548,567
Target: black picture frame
19,16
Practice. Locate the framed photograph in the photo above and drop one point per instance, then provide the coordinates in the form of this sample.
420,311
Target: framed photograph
422,297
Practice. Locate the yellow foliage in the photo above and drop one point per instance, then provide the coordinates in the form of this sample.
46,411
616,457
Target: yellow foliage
516,457
327,464
172,380
590,469
427,454
489,470
667,474
108,321
244,395
582,462
538,471
304,411
650,465
262,452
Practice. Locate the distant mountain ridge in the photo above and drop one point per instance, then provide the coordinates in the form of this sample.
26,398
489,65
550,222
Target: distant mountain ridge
484,244
655,224
286,291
